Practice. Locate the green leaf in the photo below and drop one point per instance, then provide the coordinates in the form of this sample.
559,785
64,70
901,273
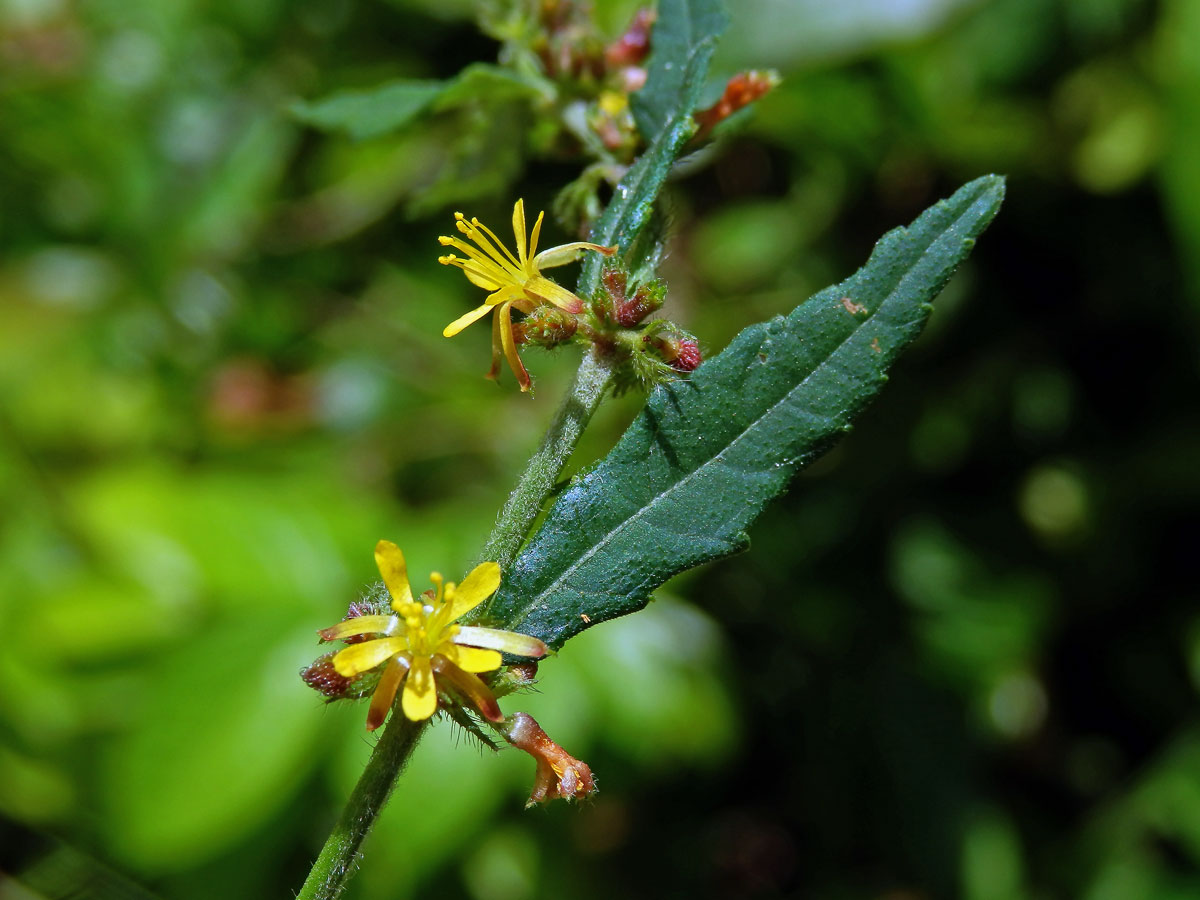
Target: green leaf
684,30
371,112
632,204
698,465
483,82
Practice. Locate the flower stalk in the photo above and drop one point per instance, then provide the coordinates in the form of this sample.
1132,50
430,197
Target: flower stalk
591,381
335,864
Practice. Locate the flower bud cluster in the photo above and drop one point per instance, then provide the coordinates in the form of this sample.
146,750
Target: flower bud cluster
324,678
642,352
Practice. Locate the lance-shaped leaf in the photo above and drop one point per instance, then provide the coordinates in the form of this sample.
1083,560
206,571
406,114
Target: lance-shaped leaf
698,465
684,31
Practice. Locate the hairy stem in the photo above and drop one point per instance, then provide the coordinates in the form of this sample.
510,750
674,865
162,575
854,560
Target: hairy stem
335,864
537,482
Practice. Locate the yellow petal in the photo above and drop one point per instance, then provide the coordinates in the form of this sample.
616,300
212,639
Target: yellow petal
394,570
505,641
566,253
359,658
519,230
360,625
481,279
475,588
470,686
510,347
463,321
541,288
385,692
493,246
499,265
494,371
420,696
470,659
537,232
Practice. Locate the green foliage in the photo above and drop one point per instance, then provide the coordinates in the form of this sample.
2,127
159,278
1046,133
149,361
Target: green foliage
371,112
698,465
394,105
683,42
222,379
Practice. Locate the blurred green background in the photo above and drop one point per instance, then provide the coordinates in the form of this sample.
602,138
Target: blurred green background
962,657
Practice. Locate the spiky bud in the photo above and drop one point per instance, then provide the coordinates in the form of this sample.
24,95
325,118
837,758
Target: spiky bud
647,299
546,326
323,678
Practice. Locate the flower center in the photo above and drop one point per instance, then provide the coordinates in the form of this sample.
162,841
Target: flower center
425,629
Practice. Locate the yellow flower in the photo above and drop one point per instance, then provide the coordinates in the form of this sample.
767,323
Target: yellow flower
511,280
422,644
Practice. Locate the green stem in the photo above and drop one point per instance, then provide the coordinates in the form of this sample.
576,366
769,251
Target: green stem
335,865
537,482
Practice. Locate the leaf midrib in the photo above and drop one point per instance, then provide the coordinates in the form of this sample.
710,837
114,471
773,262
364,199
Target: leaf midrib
603,541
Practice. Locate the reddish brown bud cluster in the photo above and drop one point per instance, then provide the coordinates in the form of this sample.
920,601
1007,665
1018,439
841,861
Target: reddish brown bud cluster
558,773
741,90
627,311
322,677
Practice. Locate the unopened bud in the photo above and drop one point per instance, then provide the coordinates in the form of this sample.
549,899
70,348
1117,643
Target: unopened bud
323,678
611,294
687,356
740,91
647,299
514,678
634,45
677,348
546,326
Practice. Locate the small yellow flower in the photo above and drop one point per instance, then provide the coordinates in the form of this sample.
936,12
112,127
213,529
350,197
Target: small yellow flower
423,640
511,280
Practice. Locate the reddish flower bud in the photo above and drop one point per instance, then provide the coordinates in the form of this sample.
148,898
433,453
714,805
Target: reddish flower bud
322,677
687,358
634,45
648,298
741,90
677,348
